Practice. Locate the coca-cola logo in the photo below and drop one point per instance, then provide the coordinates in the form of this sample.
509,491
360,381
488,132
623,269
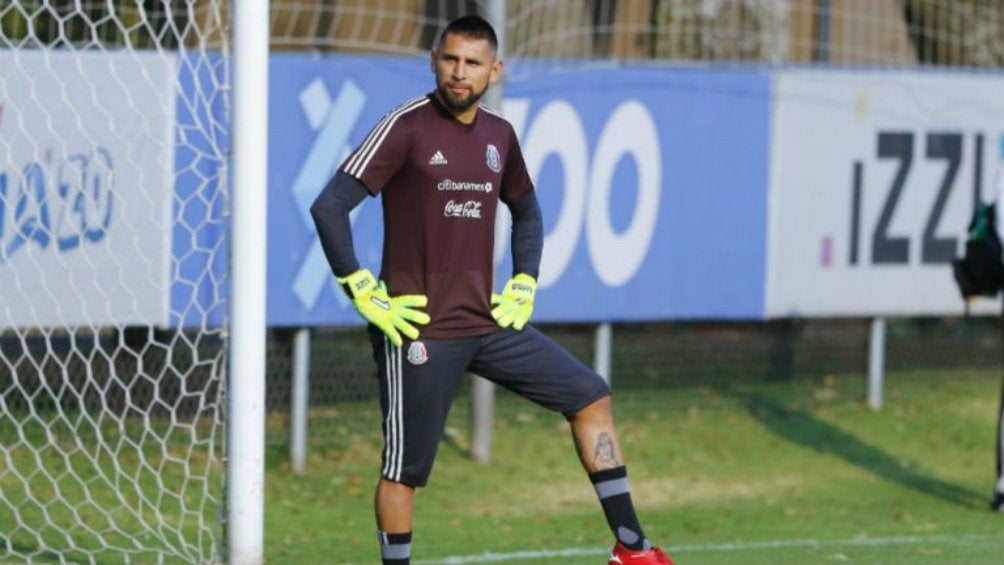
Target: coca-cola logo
469,209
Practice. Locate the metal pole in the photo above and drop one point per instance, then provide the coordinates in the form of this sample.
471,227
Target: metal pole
495,13
602,350
299,401
245,465
482,416
483,391
876,363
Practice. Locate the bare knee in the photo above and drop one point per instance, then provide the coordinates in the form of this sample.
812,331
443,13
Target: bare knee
393,488
599,412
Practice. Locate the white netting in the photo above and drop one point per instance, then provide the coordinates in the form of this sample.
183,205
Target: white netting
113,259
842,32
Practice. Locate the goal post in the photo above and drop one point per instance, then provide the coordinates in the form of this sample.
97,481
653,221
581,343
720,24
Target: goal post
246,415
116,242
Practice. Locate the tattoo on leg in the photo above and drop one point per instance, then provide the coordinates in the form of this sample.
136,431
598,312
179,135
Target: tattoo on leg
604,455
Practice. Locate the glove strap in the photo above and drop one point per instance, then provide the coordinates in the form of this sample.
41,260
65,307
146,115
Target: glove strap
357,283
525,283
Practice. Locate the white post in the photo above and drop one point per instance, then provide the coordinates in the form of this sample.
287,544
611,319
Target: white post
876,363
482,417
483,391
245,466
299,409
602,350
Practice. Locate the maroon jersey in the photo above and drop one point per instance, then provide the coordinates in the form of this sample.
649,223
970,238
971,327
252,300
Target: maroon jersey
441,181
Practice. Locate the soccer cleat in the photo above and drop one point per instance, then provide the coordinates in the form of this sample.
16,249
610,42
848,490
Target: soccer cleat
621,555
997,502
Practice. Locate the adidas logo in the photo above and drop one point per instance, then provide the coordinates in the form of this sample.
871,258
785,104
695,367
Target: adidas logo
438,159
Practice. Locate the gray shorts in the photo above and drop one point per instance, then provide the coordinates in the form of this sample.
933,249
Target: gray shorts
419,380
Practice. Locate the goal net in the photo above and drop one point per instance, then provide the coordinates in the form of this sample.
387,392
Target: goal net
113,262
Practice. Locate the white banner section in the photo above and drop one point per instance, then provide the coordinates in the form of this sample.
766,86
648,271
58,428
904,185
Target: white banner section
86,185
874,176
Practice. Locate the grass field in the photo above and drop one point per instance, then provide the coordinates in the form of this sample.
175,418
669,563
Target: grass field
729,472
788,473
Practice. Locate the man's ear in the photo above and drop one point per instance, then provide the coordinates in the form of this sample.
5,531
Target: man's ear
496,72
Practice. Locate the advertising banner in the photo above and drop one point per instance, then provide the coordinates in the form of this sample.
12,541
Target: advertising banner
86,169
652,183
874,179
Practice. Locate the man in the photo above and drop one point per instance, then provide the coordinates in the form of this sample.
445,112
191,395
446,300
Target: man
980,272
442,164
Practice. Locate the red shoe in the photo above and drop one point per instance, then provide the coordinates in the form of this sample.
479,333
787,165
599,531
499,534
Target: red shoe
621,555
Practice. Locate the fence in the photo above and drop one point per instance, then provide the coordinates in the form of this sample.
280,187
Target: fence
839,32
657,356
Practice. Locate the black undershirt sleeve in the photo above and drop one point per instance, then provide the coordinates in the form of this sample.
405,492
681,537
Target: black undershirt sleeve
527,235
330,211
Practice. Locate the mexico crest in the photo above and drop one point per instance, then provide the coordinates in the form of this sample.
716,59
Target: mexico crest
417,354
493,159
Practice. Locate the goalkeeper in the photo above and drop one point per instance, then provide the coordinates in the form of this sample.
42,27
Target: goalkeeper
442,163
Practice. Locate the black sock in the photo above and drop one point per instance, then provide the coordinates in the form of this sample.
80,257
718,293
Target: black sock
395,549
612,489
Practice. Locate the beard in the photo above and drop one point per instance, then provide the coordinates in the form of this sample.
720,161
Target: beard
460,103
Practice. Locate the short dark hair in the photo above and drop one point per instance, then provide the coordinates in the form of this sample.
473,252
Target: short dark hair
472,26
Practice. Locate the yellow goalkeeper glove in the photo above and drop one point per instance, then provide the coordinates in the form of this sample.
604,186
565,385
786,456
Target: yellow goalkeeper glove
391,314
514,306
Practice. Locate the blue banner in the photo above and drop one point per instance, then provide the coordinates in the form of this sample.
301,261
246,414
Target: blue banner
652,181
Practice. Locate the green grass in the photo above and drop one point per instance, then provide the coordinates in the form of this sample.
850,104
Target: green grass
800,473
101,492
728,472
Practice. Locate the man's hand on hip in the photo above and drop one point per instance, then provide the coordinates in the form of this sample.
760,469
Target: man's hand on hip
393,315
515,305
